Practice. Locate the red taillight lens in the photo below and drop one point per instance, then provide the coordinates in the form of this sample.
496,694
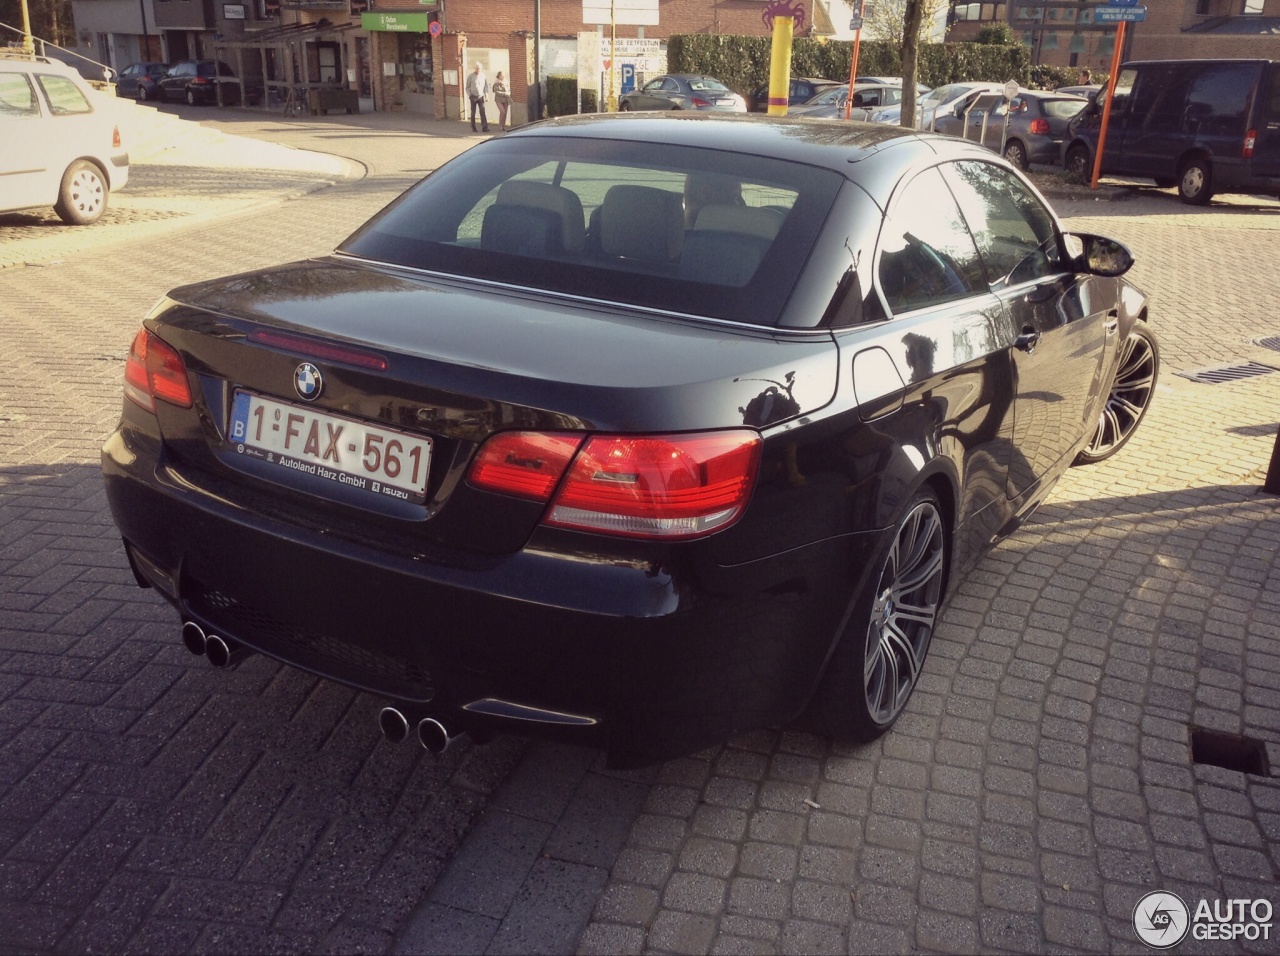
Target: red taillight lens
155,370
665,486
523,464
115,138
1040,127
1250,138
700,103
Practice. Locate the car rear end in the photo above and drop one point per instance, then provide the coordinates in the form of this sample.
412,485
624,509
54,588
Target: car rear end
1042,125
494,509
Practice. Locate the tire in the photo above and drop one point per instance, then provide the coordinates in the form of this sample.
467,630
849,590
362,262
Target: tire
1016,153
82,197
1195,182
191,98
881,654
1129,398
142,93
1079,164
624,108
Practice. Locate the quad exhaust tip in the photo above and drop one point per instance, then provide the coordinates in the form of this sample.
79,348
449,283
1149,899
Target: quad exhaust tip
223,653
193,638
431,733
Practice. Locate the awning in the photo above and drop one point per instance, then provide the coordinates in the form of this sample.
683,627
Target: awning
287,34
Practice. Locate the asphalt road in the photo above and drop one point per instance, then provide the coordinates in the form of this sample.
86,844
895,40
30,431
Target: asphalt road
1041,782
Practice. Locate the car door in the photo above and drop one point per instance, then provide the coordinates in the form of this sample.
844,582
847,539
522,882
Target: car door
174,83
1064,325
23,162
948,339
1266,144
1160,123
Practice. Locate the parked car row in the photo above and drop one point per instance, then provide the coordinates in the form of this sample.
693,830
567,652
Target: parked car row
188,81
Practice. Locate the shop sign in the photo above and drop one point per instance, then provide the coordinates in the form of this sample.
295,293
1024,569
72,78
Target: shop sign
395,22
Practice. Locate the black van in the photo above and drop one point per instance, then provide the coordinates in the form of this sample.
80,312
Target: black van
1206,126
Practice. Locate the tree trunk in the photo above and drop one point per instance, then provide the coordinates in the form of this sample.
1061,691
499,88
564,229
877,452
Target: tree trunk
911,17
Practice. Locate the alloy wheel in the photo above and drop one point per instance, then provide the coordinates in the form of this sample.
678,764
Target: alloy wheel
1130,396
903,614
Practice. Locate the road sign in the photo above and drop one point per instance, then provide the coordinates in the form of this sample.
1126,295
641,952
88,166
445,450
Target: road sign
855,23
622,12
1119,14
1011,89
435,29
1123,3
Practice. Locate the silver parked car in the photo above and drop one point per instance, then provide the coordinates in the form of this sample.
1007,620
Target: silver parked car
867,98
683,91
1027,129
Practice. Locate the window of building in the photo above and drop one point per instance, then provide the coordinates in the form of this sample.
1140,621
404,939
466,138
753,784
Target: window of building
1253,8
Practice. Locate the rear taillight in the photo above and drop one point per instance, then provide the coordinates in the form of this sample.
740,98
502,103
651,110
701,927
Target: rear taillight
700,103
524,464
155,370
115,138
1250,138
667,487
200,80
1039,127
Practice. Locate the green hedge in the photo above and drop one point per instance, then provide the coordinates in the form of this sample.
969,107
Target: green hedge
562,96
742,62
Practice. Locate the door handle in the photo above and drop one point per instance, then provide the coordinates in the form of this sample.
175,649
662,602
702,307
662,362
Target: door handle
1027,340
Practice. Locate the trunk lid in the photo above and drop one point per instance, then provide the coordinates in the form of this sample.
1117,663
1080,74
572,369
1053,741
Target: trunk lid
461,363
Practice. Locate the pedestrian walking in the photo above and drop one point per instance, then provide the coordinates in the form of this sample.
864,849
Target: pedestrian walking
502,97
478,89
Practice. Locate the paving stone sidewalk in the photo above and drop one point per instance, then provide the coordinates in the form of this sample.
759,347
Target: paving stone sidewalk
1041,781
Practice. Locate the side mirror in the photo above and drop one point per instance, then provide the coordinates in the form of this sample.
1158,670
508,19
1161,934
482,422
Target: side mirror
1099,255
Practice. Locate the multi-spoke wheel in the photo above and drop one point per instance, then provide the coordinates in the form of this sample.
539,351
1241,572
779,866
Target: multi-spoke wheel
82,197
880,657
1130,396
1016,153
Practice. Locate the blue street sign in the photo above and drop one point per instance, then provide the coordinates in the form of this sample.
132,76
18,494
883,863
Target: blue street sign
1122,3
1119,14
628,77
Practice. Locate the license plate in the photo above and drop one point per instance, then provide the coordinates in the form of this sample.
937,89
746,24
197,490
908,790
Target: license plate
724,101
346,451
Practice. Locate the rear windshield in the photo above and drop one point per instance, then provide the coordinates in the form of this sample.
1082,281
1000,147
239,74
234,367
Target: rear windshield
708,85
1062,109
696,231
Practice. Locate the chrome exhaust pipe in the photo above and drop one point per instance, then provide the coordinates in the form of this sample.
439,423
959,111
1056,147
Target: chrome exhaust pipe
433,736
193,638
223,653
394,725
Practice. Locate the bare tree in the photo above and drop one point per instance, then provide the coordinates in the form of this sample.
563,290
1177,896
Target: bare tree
884,18
912,17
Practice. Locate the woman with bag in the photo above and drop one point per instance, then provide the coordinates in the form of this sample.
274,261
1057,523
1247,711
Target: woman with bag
502,97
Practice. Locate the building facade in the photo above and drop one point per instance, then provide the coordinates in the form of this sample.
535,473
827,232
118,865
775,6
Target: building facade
1064,32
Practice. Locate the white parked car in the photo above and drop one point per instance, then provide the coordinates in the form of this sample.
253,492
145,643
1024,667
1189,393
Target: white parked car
61,148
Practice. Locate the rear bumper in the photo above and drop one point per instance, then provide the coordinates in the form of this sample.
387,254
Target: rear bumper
658,658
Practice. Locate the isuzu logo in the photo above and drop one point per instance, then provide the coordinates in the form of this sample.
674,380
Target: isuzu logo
308,382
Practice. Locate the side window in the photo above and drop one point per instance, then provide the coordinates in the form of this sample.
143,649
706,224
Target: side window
1124,87
63,95
926,253
1219,96
16,96
1016,235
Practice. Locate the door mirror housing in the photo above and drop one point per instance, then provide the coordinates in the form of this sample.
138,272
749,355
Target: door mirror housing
1098,255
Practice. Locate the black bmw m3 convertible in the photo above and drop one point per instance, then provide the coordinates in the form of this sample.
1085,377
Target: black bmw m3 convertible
638,431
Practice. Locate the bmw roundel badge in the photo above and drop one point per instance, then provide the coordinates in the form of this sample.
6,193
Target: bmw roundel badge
307,381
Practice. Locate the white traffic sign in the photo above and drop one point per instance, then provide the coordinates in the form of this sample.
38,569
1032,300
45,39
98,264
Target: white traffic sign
1011,89
642,13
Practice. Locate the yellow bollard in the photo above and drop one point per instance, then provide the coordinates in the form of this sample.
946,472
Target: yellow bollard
780,66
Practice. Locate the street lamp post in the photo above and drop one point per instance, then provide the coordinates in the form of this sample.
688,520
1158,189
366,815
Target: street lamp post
28,44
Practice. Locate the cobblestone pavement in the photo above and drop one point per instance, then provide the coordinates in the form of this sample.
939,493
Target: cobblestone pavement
1040,783
147,802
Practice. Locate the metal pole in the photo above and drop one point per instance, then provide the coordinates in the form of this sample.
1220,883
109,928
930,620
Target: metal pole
146,37
1106,107
1272,485
853,66
612,99
537,64
27,43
